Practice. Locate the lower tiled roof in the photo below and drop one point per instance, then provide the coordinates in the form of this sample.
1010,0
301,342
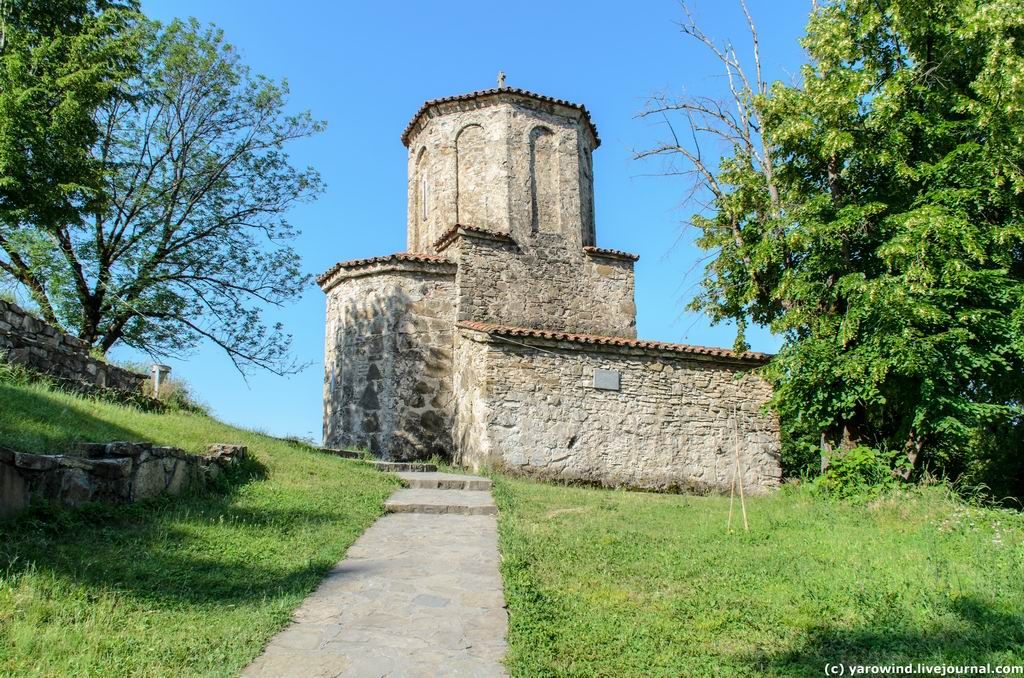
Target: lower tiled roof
399,256
449,236
618,254
626,342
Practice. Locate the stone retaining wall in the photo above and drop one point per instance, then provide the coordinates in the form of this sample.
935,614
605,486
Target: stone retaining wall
26,340
117,472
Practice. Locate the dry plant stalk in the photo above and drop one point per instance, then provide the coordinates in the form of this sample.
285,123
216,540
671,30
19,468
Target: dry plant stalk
737,476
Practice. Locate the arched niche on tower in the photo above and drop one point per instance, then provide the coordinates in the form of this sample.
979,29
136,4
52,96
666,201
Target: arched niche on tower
589,230
545,206
471,175
421,192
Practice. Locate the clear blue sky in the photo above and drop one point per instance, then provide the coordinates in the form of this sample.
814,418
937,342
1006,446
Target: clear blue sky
365,67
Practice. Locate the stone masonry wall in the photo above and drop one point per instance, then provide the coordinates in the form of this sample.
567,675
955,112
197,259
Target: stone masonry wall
113,473
29,341
505,162
671,425
388,360
544,284
472,407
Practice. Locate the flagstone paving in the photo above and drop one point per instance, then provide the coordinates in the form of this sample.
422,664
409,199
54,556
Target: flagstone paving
418,594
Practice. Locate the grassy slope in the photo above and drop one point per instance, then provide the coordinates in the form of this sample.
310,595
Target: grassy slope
613,583
183,586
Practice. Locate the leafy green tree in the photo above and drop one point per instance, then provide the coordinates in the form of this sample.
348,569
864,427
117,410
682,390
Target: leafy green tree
170,228
874,217
59,61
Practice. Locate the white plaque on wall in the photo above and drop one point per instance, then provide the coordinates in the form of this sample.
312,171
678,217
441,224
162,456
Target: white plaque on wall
606,380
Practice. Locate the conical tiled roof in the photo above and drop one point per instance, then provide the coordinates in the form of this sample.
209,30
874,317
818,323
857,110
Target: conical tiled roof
497,92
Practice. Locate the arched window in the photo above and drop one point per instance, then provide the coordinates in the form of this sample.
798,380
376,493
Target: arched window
544,201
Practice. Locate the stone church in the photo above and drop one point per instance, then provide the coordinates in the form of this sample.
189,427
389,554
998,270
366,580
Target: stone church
504,337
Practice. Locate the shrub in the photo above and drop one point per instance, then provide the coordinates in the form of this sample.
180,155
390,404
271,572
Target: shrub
859,472
177,395
801,449
15,373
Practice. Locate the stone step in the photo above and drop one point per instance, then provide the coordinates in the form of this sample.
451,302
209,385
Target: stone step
444,481
402,467
346,454
462,502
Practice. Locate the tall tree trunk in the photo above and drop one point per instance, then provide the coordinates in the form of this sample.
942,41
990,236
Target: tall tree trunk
842,436
912,448
826,452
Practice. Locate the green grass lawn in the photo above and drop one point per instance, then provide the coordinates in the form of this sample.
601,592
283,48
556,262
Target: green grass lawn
598,582
607,583
187,586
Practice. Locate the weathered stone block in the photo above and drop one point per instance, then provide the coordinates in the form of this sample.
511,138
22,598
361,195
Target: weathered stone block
149,479
126,449
90,450
178,478
14,490
35,462
224,453
111,468
76,487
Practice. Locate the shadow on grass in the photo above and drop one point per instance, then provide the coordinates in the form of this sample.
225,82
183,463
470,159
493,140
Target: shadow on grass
35,421
975,633
197,549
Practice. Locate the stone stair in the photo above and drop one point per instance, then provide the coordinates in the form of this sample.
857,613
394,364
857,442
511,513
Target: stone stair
443,481
437,493
383,466
427,491
344,454
402,466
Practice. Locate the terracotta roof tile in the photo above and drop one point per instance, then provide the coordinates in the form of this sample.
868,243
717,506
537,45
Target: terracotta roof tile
625,342
603,252
492,92
399,256
449,236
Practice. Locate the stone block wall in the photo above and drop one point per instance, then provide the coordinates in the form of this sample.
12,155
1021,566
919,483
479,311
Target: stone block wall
388,359
542,283
31,342
117,472
673,423
472,405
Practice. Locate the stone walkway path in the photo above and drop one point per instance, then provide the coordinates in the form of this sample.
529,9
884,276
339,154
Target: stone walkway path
418,594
